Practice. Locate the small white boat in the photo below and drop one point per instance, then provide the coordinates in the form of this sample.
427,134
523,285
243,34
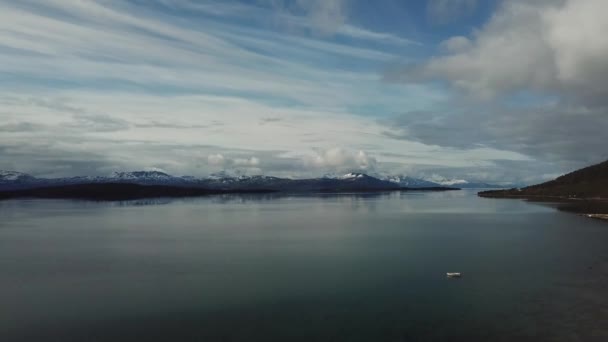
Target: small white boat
454,274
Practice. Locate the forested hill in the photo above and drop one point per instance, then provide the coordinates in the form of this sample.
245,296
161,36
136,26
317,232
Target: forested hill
589,182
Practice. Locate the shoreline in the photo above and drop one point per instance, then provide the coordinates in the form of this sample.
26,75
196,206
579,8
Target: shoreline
589,207
602,217
131,191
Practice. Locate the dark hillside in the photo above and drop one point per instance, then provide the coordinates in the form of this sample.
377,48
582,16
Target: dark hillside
589,182
116,191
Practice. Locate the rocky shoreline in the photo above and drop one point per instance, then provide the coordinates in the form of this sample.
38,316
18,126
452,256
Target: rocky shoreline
595,208
597,216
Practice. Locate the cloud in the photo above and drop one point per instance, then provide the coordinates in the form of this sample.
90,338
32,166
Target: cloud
456,44
247,162
571,136
383,37
219,161
287,14
98,123
531,80
324,16
98,86
216,160
50,159
445,11
20,127
88,44
264,121
507,172
340,159
173,125
312,163
305,142
537,46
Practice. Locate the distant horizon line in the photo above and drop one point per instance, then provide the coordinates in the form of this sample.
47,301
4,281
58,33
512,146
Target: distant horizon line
238,173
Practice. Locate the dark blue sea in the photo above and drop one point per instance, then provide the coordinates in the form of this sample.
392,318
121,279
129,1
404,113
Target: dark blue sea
349,267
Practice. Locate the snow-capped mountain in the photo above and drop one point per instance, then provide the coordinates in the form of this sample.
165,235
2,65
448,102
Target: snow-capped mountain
13,176
223,181
351,176
410,182
450,182
227,174
148,178
141,175
397,180
351,180
15,180
466,184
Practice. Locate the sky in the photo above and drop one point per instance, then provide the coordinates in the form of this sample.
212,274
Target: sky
493,90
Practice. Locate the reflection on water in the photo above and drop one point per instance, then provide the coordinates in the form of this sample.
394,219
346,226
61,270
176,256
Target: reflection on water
296,267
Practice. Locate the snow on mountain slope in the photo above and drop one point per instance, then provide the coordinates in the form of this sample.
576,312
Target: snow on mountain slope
13,176
15,180
141,175
445,181
410,182
225,181
351,175
348,176
465,184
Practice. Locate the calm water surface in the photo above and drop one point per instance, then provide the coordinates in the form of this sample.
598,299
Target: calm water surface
301,268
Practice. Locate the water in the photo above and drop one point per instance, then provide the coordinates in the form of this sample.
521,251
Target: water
301,268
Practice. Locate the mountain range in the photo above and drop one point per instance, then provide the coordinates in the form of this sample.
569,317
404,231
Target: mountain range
11,180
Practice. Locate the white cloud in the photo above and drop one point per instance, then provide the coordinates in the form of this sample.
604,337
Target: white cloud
89,43
456,44
216,160
575,32
296,21
246,162
539,69
340,159
219,161
360,33
327,15
548,46
202,136
444,11
445,181
154,168
323,16
96,83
